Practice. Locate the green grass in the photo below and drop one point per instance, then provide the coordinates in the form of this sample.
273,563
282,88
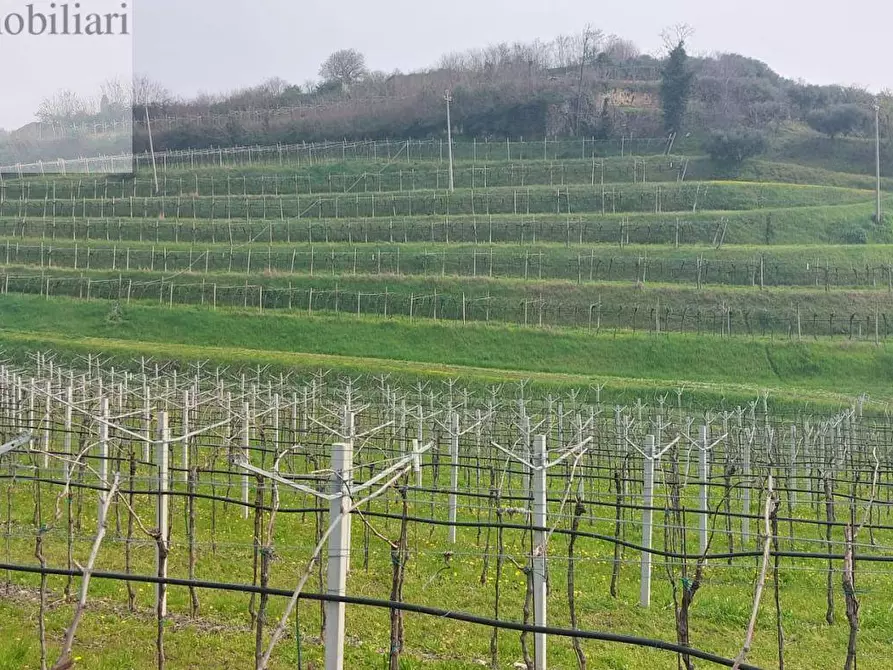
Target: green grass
111,637
762,170
364,177
839,311
795,209
783,265
765,225
710,368
357,177
845,162
724,196
842,154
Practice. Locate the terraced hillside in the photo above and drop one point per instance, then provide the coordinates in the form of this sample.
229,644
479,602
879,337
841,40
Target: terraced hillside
615,252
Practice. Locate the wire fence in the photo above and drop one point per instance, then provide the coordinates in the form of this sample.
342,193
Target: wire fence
369,150
678,199
213,182
217,471
580,265
474,229
708,317
59,129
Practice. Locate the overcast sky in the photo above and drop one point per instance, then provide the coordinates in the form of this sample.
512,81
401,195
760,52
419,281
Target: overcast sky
222,44
218,45
35,67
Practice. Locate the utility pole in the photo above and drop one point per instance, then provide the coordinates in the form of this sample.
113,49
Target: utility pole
449,98
586,35
877,149
152,149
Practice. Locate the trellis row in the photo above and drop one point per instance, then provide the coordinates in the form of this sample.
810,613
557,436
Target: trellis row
568,200
584,265
211,182
547,448
477,229
310,154
715,317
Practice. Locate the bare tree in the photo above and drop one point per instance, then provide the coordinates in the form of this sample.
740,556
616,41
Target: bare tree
274,86
347,66
591,44
117,91
676,35
533,54
258,97
147,91
453,61
203,101
564,50
377,76
497,56
117,96
63,106
619,50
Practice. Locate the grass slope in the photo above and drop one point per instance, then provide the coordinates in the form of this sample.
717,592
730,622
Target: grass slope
712,367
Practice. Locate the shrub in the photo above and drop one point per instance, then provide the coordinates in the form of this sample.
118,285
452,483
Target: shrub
838,120
854,235
733,147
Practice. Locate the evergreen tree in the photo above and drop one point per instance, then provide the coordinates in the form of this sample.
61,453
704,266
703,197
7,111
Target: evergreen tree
605,127
675,88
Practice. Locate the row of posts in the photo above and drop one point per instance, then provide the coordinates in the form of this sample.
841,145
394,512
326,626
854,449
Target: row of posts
13,391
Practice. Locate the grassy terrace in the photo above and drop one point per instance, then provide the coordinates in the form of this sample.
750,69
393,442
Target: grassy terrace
711,368
766,226
596,306
112,637
791,265
625,277
612,251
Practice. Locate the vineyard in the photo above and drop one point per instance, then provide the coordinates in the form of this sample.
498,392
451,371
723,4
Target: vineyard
433,524
575,234
600,405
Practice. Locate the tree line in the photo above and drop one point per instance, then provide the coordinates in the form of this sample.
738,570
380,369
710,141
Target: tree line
588,84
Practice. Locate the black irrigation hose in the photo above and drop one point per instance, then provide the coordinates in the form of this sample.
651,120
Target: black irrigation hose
584,468
630,545
394,605
559,531
174,493
713,482
717,513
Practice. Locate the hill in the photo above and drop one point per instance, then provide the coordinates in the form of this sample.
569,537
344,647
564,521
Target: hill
603,88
